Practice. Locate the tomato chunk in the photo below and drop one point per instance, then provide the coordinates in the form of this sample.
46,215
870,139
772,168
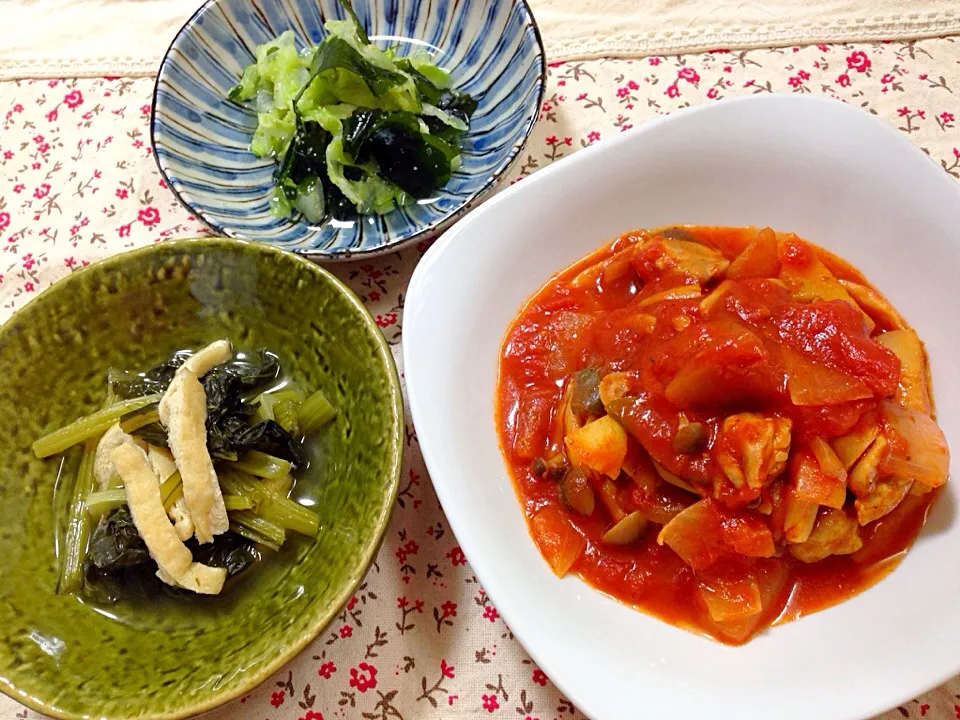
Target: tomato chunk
833,333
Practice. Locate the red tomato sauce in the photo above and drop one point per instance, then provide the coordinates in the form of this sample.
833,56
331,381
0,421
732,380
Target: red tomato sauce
742,357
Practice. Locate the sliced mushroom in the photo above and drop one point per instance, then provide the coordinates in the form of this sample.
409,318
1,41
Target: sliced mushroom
614,387
608,496
538,467
676,233
711,301
691,437
576,492
585,398
627,531
681,292
692,259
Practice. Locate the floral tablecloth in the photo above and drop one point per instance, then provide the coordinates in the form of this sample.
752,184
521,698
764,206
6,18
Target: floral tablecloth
420,639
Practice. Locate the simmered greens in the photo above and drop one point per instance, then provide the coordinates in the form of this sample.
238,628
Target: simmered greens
354,129
186,474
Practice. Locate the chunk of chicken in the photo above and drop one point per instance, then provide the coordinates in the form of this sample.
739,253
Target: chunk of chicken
864,474
835,533
887,493
854,444
752,449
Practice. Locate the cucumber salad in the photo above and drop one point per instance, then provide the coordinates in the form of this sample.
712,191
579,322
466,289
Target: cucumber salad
352,128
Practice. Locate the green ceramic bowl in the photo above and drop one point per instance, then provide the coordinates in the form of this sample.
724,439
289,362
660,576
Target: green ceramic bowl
174,658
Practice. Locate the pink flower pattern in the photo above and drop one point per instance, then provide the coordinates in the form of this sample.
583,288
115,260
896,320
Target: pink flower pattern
78,183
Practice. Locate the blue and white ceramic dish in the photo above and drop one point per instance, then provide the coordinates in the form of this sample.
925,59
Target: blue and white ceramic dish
492,49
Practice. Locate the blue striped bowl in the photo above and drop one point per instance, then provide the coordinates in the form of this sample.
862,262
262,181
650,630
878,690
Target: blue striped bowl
492,49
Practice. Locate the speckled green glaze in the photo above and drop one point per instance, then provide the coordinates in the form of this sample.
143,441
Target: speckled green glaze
175,658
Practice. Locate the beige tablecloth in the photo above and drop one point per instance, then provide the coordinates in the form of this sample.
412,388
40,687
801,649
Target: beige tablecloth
85,38
420,639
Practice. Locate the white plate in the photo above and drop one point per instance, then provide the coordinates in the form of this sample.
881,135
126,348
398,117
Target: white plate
831,173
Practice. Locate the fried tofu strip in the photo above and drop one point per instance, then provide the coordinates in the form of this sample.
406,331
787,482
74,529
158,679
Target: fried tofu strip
203,361
163,465
183,412
146,507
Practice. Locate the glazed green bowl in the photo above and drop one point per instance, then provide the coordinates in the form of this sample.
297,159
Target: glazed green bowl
174,657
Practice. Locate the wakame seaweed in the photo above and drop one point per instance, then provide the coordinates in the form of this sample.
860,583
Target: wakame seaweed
412,160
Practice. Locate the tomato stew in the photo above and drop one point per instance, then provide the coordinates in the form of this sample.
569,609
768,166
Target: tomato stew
724,427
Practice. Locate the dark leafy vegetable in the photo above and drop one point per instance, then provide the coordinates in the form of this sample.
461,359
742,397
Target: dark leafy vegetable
126,568
586,392
154,433
458,104
127,385
116,543
230,551
269,437
414,161
228,388
309,158
228,413
110,559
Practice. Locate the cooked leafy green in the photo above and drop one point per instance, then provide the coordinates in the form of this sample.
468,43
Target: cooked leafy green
255,427
230,551
116,543
117,557
127,385
353,128
269,437
228,388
